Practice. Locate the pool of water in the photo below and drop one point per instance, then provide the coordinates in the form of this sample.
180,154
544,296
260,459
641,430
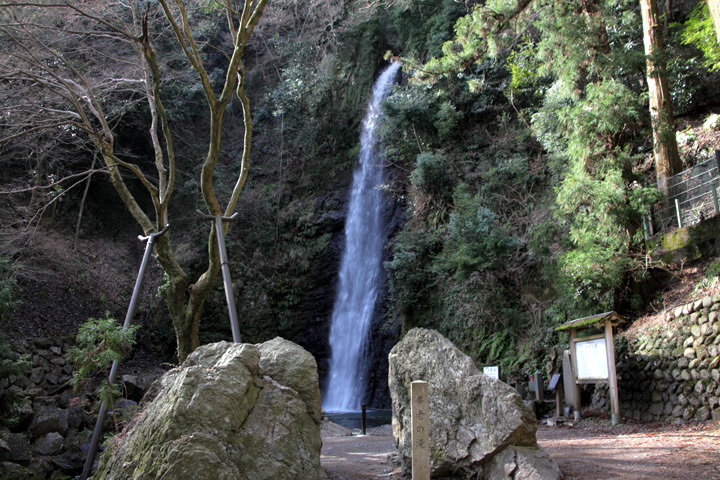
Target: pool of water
353,420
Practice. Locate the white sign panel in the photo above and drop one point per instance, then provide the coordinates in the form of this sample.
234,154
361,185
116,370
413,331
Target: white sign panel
591,359
492,372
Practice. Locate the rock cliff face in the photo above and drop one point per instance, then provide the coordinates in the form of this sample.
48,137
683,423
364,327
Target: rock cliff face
231,411
479,426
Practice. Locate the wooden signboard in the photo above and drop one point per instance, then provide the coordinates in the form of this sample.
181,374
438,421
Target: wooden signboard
593,357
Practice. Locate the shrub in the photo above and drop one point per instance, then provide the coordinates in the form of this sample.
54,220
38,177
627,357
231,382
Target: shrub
100,342
475,240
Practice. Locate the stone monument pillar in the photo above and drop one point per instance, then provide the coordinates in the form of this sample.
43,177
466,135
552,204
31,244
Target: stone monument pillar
420,425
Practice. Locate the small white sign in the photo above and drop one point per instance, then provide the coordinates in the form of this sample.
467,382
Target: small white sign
493,372
591,360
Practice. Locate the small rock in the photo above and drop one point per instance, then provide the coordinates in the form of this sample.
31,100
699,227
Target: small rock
37,375
50,444
330,429
14,448
702,414
76,416
45,354
695,330
707,301
60,361
49,419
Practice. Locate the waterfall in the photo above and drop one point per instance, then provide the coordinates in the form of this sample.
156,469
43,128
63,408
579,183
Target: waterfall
360,267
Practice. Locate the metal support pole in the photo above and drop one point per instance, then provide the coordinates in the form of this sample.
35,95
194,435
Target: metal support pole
364,418
677,212
227,281
102,414
715,199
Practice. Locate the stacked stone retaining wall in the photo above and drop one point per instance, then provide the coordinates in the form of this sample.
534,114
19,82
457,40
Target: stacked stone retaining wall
53,423
671,372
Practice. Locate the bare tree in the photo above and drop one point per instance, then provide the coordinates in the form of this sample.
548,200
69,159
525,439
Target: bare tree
65,60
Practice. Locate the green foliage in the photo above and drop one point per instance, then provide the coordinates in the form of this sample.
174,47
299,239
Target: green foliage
699,31
433,182
418,119
598,197
424,25
524,66
432,175
100,342
475,240
11,364
713,270
410,278
575,79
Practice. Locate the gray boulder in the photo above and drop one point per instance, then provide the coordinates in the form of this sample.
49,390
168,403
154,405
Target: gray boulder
479,426
218,417
49,419
50,444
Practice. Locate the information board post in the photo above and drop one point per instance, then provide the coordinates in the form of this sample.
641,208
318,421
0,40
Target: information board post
593,357
576,385
612,375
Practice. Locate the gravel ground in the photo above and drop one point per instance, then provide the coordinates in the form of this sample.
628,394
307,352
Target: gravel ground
588,450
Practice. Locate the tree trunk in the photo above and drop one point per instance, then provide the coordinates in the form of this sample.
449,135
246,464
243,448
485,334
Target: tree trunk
667,158
714,6
82,204
41,180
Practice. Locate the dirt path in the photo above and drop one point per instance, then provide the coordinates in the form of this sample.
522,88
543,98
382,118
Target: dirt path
360,457
590,450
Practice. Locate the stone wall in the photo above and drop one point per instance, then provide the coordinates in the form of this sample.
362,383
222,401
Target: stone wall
54,423
671,372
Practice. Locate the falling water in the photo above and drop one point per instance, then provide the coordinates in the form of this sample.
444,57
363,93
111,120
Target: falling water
360,267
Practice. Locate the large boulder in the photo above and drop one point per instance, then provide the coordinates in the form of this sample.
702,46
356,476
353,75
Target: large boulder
221,416
479,426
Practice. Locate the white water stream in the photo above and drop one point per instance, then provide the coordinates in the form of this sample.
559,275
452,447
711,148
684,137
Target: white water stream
360,266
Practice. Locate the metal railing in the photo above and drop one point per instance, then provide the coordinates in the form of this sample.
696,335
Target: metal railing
693,197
